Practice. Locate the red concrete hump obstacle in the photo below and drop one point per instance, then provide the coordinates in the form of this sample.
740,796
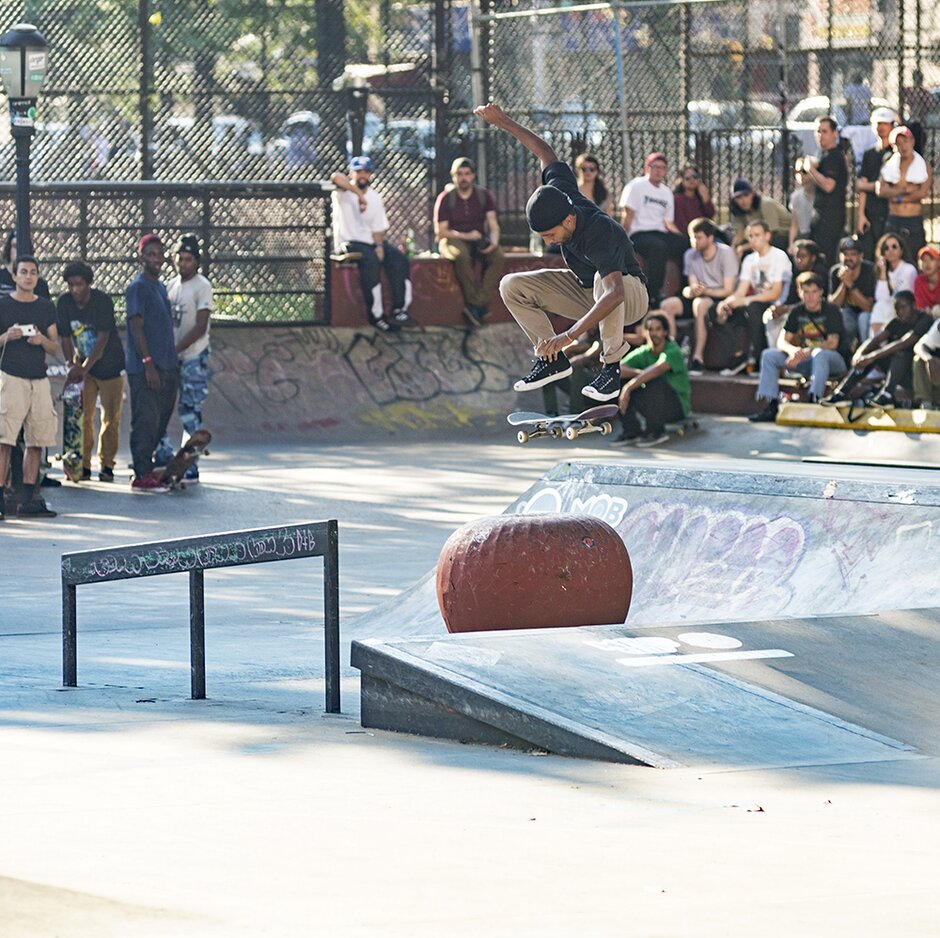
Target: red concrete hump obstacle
533,572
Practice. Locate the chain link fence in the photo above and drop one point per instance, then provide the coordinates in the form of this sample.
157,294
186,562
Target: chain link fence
235,90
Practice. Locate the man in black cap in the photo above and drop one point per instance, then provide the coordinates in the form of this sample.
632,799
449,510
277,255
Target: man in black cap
603,285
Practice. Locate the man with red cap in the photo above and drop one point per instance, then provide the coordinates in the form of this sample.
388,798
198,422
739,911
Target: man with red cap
151,362
603,285
905,182
648,213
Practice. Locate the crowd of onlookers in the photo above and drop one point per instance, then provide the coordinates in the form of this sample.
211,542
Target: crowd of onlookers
166,361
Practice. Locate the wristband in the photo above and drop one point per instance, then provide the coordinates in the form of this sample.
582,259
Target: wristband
147,359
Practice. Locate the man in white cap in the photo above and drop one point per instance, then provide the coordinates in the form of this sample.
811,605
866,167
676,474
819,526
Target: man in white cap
603,285
873,210
359,227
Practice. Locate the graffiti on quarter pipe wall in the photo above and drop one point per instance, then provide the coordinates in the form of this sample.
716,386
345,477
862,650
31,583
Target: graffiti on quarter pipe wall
301,379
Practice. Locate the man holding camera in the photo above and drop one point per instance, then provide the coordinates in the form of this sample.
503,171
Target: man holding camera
27,333
467,230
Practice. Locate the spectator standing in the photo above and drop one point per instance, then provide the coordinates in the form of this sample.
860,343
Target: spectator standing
85,316
648,212
467,229
191,303
711,268
905,182
747,206
603,285
812,336
360,226
927,282
917,99
857,99
28,334
591,184
872,209
656,386
893,274
890,348
801,205
763,281
692,198
831,176
151,361
852,289
927,368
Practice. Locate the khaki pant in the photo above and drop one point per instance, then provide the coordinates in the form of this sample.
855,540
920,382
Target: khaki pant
532,294
462,255
924,389
111,393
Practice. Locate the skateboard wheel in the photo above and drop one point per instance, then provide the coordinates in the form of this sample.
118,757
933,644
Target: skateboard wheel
605,429
522,436
557,433
571,433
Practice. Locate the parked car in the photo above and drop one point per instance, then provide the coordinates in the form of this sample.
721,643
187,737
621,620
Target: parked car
413,139
801,122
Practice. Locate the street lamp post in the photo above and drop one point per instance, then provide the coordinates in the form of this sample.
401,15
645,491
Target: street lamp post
23,62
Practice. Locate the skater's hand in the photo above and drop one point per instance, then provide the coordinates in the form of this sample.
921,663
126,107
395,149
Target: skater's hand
549,348
153,376
490,114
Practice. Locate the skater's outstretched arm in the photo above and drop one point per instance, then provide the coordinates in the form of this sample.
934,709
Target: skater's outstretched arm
493,114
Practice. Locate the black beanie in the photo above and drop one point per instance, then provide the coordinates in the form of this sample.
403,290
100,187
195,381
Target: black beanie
547,207
190,244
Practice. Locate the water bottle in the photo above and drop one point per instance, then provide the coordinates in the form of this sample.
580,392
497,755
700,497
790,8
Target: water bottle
410,243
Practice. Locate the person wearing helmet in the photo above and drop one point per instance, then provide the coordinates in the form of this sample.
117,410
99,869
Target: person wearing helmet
872,209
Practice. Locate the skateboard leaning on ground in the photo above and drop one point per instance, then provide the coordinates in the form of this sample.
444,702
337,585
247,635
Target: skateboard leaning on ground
184,458
569,426
73,434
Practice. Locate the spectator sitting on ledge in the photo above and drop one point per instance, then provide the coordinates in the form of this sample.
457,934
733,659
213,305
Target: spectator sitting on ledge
806,256
747,206
466,228
812,334
927,282
852,289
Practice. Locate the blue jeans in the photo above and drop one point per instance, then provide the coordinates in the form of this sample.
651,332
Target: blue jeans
821,364
856,323
195,375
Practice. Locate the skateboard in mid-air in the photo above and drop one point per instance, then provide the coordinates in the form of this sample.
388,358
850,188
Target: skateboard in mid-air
184,458
569,426
73,434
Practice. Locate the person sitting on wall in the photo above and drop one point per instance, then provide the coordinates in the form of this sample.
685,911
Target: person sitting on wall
852,289
812,337
892,349
747,206
927,282
656,386
806,256
927,369
467,229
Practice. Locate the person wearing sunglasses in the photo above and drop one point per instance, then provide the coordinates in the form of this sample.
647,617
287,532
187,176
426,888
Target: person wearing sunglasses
692,198
591,184
893,273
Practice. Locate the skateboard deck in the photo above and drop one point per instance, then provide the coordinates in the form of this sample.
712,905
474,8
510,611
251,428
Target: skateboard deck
569,426
73,435
185,457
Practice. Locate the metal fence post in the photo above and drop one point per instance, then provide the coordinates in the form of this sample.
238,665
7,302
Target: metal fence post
69,636
331,617
197,635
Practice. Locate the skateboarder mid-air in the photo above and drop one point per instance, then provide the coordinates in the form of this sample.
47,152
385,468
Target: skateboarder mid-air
603,285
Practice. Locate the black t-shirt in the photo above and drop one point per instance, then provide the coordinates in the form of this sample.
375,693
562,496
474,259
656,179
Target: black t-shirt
599,245
8,286
20,358
818,268
865,283
83,325
829,207
815,328
897,329
876,209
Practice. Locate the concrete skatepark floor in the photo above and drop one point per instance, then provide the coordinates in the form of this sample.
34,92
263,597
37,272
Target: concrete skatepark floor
131,810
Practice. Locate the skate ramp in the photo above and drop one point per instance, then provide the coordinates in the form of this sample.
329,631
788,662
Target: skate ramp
744,542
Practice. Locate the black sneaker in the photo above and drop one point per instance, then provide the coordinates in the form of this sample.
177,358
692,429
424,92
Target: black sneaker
627,439
696,367
739,364
474,314
767,415
86,475
49,483
653,439
385,325
401,317
106,475
835,399
35,508
884,399
544,372
606,384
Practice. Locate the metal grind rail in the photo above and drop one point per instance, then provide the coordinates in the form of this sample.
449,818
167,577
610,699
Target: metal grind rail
195,555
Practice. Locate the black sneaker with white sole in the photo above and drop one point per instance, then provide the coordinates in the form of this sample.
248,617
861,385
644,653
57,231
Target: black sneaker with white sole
385,325
606,384
544,372
401,317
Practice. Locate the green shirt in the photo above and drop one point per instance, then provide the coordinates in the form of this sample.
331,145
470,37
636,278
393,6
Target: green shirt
770,211
678,375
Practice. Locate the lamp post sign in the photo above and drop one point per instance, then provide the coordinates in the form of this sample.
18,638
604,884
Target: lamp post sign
24,59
